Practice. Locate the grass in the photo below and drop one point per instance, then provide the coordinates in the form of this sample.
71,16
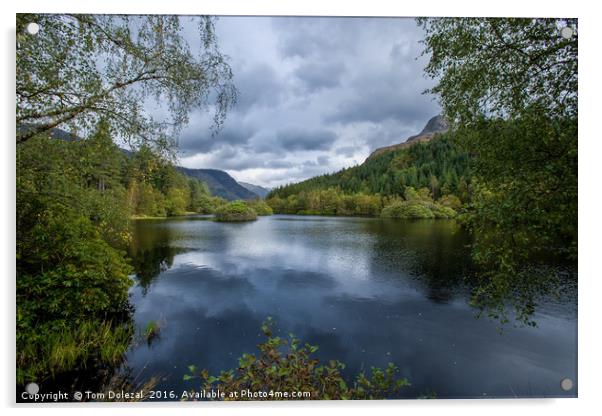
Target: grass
65,349
152,330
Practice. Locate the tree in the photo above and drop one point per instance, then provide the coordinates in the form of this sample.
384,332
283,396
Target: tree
434,184
510,88
72,275
104,158
81,68
498,67
199,196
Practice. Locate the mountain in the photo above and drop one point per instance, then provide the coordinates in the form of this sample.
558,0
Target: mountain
435,162
434,126
259,190
220,183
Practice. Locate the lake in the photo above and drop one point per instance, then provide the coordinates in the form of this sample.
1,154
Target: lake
367,291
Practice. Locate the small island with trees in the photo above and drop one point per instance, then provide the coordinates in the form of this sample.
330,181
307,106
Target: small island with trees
234,212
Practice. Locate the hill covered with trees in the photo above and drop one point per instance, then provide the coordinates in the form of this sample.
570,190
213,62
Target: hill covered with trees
436,170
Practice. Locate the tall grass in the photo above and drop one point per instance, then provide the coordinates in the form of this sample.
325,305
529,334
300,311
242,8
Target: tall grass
66,348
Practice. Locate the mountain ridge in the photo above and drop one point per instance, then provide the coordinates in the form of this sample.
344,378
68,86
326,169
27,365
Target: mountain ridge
220,183
436,125
257,189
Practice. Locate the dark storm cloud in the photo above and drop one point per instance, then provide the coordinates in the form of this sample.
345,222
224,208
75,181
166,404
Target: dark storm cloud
290,140
315,95
239,159
381,97
300,139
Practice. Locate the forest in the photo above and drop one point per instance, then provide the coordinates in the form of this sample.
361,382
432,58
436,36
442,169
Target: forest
428,178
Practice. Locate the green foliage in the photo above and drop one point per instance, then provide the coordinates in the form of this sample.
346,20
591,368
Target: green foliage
525,212
436,168
450,201
440,211
156,189
417,205
438,165
70,275
200,197
510,87
59,82
235,211
500,67
71,229
152,330
57,350
260,207
287,365
330,201
407,209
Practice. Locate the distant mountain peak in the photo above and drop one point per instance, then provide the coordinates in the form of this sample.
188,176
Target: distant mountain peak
436,125
259,190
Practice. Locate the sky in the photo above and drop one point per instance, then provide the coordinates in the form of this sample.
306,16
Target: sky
315,95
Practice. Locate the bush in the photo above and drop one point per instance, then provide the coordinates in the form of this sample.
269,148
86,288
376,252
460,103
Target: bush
450,201
235,211
443,212
260,207
407,209
286,365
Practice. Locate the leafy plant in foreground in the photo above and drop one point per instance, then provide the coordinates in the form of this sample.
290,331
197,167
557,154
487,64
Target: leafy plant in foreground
287,365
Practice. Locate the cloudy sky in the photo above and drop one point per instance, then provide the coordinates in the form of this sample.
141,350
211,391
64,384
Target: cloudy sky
315,95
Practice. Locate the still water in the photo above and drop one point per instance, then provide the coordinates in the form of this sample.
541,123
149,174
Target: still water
367,291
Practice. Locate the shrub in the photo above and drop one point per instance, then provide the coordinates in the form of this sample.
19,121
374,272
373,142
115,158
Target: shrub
63,282
407,209
450,201
235,211
285,365
260,207
443,212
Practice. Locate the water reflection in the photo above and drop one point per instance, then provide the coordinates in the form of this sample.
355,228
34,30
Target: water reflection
367,291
